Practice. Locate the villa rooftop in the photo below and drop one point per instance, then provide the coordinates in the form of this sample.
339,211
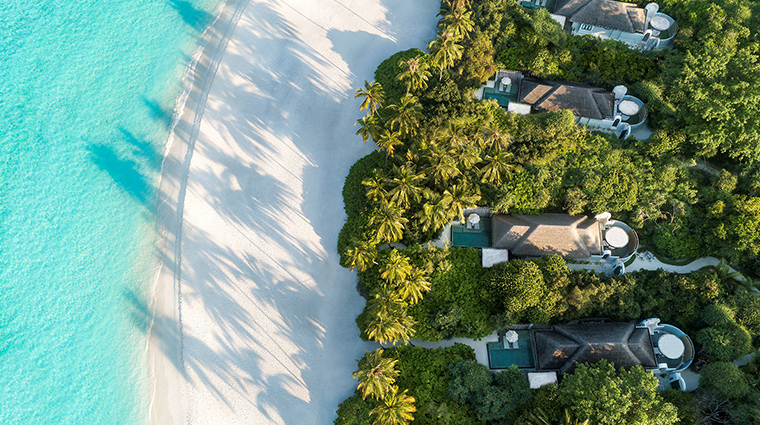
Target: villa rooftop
582,100
545,234
623,344
610,14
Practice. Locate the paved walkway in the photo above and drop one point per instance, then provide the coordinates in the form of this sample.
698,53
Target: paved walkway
647,261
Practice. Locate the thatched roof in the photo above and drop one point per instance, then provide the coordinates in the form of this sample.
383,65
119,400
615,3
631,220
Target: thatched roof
620,343
609,14
583,101
545,234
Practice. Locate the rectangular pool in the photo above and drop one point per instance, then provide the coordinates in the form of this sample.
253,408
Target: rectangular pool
499,358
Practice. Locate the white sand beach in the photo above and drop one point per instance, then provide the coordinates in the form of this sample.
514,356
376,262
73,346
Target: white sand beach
253,316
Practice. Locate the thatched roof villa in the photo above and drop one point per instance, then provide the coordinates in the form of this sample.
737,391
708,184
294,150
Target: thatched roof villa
639,28
596,108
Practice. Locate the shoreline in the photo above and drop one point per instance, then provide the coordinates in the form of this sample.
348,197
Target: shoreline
164,341
253,321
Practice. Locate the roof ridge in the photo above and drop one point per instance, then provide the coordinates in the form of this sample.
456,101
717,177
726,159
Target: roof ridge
570,363
546,95
596,104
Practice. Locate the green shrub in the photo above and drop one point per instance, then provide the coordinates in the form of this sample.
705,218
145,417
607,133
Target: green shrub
542,406
469,381
458,304
725,379
747,308
355,411
717,315
355,202
747,410
388,70
723,339
518,284
477,63
608,397
494,396
425,372
684,402
444,101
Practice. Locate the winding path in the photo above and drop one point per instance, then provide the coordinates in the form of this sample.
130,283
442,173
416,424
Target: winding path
650,262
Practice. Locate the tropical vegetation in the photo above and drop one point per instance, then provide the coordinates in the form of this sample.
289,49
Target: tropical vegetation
692,189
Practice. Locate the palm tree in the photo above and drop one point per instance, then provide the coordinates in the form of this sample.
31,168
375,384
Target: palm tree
457,5
445,51
406,185
494,138
361,255
454,134
405,115
372,96
376,375
376,187
723,274
442,166
497,167
414,73
389,321
369,127
396,268
395,409
469,156
436,212
458,22
460,198
412,288
388,141
389,221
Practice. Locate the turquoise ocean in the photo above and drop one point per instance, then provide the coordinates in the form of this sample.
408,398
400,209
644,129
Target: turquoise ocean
87,94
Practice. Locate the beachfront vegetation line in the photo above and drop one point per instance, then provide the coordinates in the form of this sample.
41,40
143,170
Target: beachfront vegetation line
691,189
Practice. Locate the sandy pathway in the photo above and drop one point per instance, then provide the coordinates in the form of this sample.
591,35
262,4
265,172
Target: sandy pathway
254,180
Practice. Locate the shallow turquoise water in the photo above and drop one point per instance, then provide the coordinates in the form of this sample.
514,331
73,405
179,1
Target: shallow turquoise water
87,91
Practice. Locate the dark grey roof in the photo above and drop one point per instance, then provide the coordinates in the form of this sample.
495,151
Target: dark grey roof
620,343
554,349
545,234
583,101
610,14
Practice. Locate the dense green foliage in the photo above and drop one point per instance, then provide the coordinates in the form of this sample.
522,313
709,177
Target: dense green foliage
519,284
495,396
725,379
534,42
425,374
603,395
692,189
389,69
723,338
726,395
455,304
355,203
615,397
355,411
468,301
684,403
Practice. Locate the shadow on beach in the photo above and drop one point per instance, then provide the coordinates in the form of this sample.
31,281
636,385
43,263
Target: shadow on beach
267,312
192,16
